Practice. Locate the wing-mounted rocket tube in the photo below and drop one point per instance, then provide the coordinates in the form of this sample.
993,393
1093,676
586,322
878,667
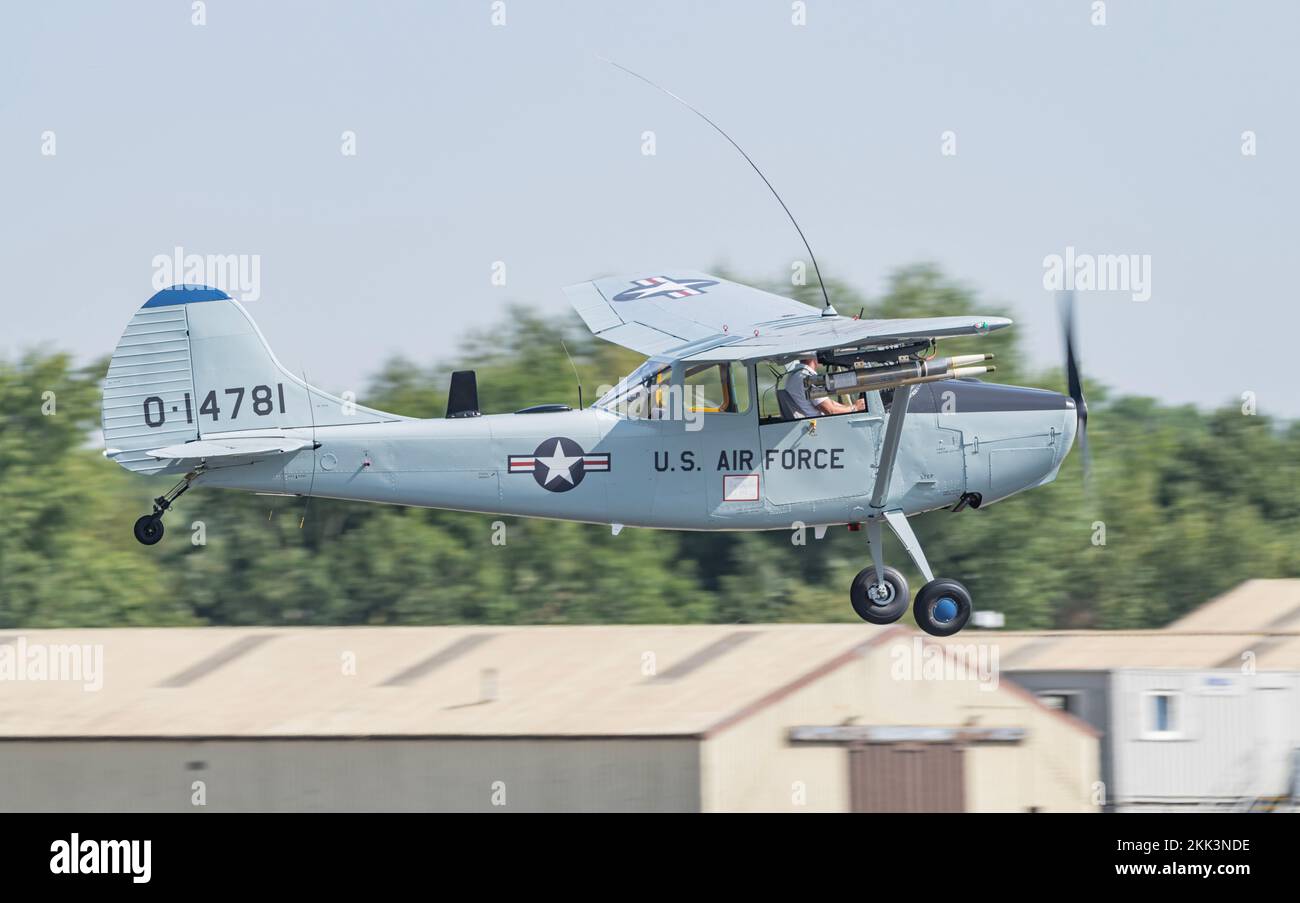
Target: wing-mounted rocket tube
875,378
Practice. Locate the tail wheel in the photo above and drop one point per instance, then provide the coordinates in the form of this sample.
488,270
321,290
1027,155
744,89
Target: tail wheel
880,602
942,607
149,529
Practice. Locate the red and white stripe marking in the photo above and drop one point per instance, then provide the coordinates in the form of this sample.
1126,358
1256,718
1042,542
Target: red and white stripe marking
522,463
598,463
595,462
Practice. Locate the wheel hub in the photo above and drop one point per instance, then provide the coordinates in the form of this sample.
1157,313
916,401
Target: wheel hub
945,609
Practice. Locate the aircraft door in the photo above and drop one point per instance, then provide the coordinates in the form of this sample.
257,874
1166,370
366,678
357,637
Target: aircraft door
818,459
730,452
813,459
709,449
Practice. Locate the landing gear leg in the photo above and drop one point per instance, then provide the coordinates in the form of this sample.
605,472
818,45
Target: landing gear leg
943,606
879,593
149,528
897,521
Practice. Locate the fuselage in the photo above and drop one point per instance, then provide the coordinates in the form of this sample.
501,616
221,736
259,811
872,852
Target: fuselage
715,472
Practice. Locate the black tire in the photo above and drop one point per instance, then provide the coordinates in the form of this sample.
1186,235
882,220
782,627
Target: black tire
875,610
149,529
942,607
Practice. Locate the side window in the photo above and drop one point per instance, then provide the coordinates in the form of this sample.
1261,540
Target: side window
721,388
1063,701
739,387
651,399
655,398
770,376
705,388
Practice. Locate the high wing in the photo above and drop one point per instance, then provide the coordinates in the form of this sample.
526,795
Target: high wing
701,317
652,314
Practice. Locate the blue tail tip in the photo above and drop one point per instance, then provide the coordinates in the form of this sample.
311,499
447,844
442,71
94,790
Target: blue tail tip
186,294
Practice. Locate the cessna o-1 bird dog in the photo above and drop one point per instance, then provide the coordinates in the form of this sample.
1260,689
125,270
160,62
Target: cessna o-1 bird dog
705,435
726,426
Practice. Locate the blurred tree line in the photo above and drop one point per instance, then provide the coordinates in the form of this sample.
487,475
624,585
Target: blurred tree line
1181,506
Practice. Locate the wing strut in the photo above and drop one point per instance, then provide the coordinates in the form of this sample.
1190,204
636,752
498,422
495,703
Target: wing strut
895,517
889,451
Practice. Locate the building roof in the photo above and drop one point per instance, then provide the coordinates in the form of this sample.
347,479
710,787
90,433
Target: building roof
422,681
1261,617
539,681
1105,650
1256,605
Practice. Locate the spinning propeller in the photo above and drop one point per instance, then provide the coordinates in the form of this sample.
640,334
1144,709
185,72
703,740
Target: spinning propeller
1073,378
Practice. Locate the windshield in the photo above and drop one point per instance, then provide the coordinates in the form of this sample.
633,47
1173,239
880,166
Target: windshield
632,396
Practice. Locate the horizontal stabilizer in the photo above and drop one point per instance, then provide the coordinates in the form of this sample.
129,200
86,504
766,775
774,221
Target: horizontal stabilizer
207,449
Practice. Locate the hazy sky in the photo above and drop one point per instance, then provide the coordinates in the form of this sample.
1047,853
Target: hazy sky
479,143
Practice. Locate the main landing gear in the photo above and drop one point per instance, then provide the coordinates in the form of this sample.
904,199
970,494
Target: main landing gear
149,528
879,593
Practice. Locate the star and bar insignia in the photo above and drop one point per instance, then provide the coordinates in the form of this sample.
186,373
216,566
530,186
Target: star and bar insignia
559,464
663,287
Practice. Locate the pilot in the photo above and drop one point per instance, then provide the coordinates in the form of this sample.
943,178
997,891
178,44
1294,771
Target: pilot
796,385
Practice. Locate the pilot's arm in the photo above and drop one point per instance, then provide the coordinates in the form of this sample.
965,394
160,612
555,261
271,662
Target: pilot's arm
807,407
831,406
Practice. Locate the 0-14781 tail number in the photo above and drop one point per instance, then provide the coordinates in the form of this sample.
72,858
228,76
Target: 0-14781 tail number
263,403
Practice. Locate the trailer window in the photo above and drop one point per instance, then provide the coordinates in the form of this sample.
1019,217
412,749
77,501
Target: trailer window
1162,715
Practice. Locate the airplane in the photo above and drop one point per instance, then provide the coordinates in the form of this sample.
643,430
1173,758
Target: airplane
717,430
705,435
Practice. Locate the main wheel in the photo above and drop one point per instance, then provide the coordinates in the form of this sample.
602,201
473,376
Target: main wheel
879,603
149,529
942,607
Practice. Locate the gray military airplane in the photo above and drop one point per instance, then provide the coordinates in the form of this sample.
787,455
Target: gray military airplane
712,432
726,426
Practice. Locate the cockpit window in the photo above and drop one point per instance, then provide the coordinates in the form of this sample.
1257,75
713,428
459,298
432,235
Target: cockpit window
640,394
717,388
781,398
648,393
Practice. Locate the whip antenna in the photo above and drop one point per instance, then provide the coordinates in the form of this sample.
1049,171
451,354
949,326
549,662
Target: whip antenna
575,371
828,310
